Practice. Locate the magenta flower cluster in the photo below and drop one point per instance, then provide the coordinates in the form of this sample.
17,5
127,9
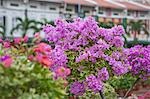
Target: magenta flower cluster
80,33
77,88
139,60
92,82
59,65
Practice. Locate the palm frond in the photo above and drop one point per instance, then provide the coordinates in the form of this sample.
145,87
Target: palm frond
18,26
34,28
3,30
19,19
31,23
39,23
146,32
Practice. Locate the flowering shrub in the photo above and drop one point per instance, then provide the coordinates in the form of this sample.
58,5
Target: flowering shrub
24,71
93,54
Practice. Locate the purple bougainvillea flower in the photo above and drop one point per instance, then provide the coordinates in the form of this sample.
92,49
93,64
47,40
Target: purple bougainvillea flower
77,88
94,84
103,74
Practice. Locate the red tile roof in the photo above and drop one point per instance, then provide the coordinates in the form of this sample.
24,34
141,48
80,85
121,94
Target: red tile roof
147,4
107,4
131,6
81,2
57,1
110,4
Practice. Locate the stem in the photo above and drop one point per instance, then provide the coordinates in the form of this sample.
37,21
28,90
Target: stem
101,94
131,87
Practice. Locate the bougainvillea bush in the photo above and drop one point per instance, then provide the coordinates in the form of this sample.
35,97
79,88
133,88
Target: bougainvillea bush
24,71
92,53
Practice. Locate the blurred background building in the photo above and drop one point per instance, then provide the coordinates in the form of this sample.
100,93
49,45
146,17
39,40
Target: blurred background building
105,11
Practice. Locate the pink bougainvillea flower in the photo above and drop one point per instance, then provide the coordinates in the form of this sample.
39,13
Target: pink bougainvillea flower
1,40
6,44
31,57
46,61
25,39
42,48
42,54
62,72
37,35
145,96
68,71
6,61
43,59
17,40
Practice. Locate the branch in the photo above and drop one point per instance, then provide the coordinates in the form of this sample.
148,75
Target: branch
131,87
101,94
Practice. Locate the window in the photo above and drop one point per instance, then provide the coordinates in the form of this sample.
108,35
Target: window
86,11
52,8
76,8
142,15
115,13
129,14
100,12
68,9
61,7
33,6
1,2
14,4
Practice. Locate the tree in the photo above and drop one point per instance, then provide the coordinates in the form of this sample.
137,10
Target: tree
2,31
137,27
25,25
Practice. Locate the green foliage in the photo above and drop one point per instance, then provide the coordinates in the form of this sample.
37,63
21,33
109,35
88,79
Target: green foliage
29,80
79,71
106,25
122,82
45,21
108,91
132,43
2,30
26,24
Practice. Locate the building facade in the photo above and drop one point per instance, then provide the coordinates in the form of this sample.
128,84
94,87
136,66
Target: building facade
104,10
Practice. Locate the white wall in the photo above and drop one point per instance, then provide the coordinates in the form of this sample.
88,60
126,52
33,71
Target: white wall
35,10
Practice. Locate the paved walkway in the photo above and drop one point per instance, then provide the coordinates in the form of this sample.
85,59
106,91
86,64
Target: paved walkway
141,91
